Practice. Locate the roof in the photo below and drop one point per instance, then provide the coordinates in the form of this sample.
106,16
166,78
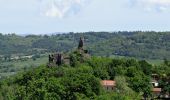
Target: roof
154,74
108,83
156,89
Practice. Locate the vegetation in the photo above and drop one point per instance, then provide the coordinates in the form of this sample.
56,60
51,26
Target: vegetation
8,68
117,53
82,80
150,45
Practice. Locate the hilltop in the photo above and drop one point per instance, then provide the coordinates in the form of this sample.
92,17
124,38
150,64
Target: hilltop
81,80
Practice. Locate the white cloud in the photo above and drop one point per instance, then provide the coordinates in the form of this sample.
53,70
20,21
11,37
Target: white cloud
152,5
62,8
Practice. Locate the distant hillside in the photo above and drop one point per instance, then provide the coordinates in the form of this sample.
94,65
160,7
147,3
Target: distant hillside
151,45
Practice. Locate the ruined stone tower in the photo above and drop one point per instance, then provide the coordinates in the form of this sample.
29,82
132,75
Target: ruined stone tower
81,43
59,58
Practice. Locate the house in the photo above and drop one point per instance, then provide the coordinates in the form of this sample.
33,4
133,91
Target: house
154,83
156,91
108,85
154,80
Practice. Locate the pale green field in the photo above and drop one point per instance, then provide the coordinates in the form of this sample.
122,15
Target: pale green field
151,61
13,67
155,62
28,62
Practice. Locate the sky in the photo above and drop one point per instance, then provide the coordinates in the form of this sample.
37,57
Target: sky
49,16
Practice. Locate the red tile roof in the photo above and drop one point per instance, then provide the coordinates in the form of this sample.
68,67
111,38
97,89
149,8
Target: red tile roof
108,83
156,89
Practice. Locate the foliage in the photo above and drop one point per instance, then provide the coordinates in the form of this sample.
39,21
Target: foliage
123,88
82,79
55,83
150,45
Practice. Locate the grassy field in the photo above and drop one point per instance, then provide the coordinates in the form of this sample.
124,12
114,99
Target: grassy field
12,67
155,61
28,62
151,61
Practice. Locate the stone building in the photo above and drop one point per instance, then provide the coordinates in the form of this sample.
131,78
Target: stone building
60,58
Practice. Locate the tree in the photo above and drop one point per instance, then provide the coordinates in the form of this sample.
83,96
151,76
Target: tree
138,81
146,67
123,88
100,66
80,82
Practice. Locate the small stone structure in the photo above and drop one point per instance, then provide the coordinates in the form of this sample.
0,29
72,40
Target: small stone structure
81,43
59,58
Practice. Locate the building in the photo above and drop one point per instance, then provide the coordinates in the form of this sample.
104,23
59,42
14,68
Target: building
154,80
108,85
156,91
58,59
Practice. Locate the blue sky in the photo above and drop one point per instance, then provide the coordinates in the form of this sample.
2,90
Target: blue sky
48,16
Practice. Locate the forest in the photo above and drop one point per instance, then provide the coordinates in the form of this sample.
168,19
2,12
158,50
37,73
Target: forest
80,80
142,45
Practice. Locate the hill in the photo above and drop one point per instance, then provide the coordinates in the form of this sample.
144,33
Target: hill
81,80
150,45
77,75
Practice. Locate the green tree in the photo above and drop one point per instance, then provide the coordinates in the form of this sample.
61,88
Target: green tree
138,81
123,88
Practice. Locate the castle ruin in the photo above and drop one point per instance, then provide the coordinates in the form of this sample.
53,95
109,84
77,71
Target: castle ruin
59,58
